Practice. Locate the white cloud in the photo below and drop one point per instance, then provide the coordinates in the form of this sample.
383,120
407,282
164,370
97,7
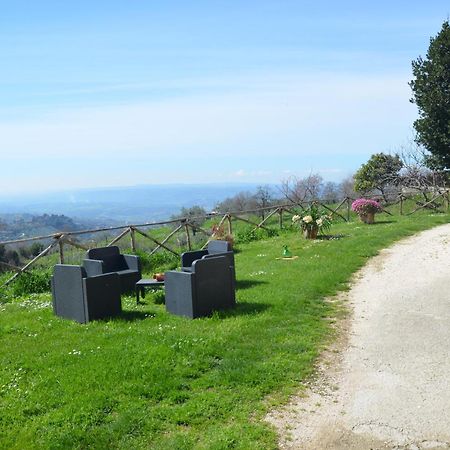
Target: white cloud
268,127
284,115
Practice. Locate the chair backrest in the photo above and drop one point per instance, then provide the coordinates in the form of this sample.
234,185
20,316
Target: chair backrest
217,246
110,256
103,252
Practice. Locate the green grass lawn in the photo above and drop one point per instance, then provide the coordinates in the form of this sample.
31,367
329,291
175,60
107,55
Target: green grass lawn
151,380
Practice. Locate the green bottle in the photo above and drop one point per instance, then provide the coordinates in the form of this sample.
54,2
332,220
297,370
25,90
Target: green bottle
286,252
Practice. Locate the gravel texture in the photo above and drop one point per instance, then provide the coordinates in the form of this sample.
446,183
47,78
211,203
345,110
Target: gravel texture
386,383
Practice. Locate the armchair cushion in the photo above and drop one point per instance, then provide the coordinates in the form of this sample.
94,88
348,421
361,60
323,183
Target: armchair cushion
187,258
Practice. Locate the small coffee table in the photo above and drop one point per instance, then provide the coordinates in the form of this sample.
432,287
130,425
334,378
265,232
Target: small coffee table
146,283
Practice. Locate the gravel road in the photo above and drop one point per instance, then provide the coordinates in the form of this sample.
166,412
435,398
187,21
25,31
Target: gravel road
386,383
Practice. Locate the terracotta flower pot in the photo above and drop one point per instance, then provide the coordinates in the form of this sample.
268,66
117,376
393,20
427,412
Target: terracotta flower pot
367,217
311,233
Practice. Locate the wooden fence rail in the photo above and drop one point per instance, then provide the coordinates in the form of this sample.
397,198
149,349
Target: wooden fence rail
188,226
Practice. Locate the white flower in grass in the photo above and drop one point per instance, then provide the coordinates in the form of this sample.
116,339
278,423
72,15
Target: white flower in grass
295,218
319,222
307,219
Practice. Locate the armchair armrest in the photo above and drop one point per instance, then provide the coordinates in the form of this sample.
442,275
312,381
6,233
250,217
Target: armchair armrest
187,258
105,284
133,262
229,255
93,267
179,291
102,296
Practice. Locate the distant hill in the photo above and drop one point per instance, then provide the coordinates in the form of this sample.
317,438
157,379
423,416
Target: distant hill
122,205
18,226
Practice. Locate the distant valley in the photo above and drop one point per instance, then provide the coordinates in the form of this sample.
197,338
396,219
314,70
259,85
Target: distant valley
31,215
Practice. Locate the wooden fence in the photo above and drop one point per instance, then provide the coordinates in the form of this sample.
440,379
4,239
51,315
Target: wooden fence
440,202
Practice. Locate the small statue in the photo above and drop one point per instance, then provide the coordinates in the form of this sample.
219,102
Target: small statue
286,252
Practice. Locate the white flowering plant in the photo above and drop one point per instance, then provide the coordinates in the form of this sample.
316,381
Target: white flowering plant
313,218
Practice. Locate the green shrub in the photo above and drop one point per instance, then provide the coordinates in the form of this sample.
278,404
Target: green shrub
158,262
249,234
36,248
159,297
32,282
24,252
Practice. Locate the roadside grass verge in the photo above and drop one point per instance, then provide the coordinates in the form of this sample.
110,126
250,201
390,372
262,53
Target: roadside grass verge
151,380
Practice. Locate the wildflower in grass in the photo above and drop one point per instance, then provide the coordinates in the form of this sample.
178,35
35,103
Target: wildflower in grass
260,272
75,352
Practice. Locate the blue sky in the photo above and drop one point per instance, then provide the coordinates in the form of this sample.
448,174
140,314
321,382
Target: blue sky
101,93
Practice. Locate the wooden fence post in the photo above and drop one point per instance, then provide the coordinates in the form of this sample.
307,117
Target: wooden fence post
133,239
401,204
230,226
117,238
188,236
349,206
280,218
61,250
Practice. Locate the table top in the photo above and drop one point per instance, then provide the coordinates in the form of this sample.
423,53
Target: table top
149,282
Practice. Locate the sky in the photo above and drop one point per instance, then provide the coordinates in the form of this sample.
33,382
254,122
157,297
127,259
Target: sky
115,93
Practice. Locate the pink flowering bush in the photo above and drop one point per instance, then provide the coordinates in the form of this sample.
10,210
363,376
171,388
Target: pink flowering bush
366,206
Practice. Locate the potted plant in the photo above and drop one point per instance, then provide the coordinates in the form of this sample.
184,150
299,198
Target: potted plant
312,220
366,209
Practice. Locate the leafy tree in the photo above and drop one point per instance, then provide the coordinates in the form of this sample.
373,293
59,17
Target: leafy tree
379,173
242,201
195,214
36,248
431,94
24,251
12,257
263,198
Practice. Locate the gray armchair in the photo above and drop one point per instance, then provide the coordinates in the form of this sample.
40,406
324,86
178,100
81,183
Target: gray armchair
77,297
108,259
208,286
214,248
